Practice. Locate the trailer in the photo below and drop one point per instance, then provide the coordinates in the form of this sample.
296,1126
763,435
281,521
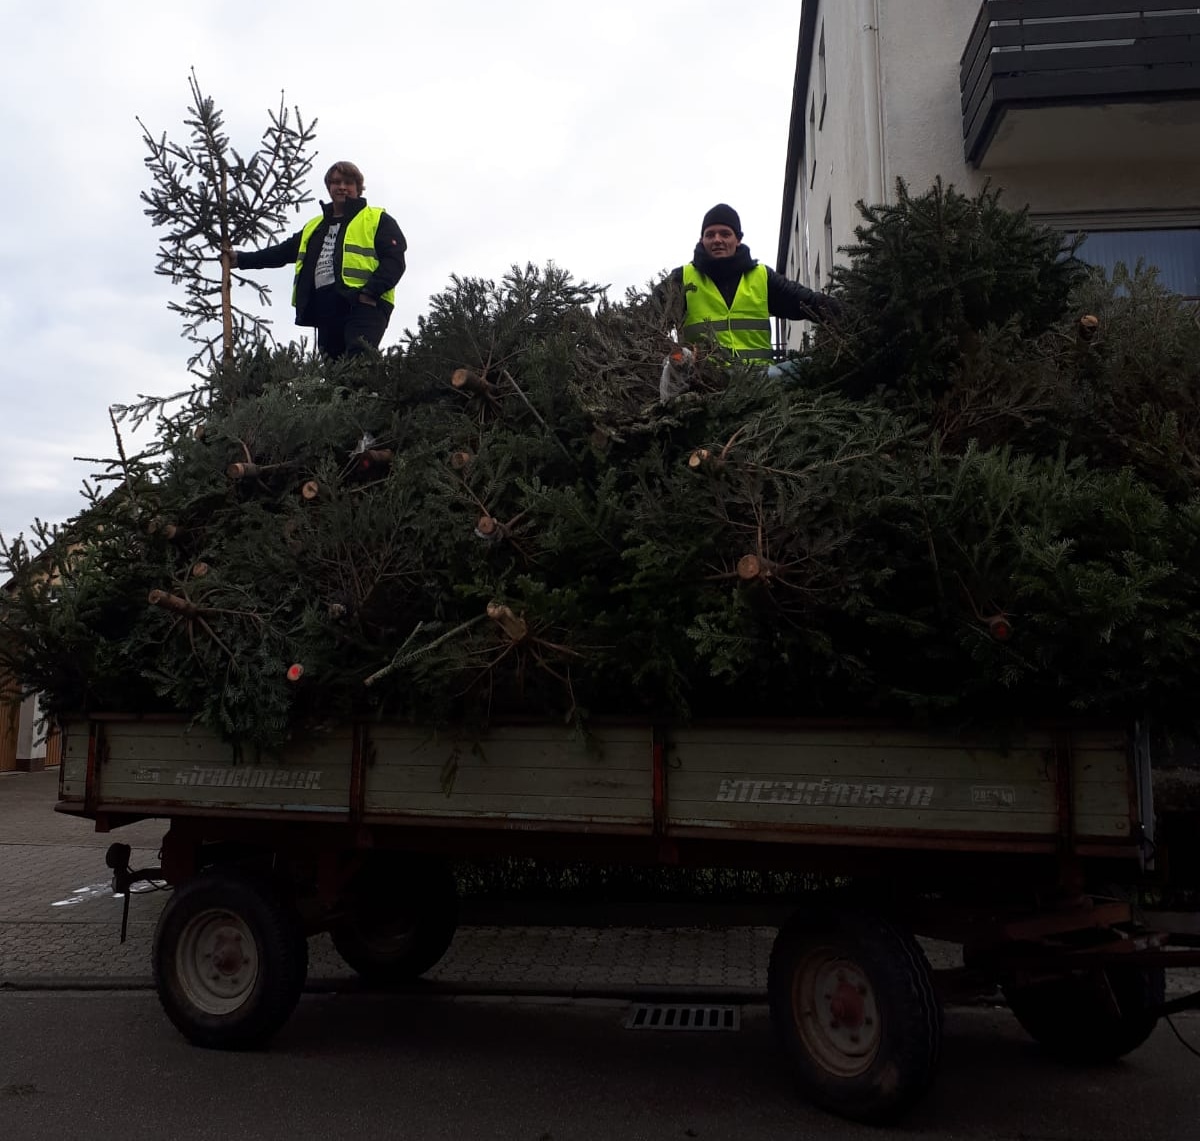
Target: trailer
1026,850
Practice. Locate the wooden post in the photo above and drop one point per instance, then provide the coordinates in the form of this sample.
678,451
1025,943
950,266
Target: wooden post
513,625
226,275
750,567
166,530
1000,627
467,381
10,717
489,528
373,458
172,602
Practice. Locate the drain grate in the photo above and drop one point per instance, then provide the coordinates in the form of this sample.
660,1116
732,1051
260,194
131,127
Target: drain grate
676,1016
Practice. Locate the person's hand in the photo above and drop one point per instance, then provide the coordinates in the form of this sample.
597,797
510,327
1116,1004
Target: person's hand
228,255
832,309
366,298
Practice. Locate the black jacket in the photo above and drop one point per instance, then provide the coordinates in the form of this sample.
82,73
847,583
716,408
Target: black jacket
389,248
787,299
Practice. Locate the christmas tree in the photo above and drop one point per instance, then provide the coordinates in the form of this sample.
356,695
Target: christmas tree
974,498
210,199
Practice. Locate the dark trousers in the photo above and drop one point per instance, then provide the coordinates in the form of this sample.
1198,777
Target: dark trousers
355,328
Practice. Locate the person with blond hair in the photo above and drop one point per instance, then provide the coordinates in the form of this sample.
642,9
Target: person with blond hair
348,261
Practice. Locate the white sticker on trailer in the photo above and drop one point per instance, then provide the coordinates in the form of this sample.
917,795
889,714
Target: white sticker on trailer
993,796
250,778
825,792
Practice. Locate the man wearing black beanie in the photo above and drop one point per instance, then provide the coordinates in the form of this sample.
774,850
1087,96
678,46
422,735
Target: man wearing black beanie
730,297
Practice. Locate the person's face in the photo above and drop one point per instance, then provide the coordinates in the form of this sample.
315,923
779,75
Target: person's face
341,189
719,241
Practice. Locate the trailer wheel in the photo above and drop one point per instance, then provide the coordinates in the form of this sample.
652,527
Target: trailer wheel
230,960
853,1003
401,918
1091,1017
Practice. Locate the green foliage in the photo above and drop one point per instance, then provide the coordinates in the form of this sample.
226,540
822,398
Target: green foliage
930,274
210,198
1133,397
503,518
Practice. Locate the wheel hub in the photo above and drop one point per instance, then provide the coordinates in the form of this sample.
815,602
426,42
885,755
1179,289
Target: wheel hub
836,1013
217,961
846,1007
227,956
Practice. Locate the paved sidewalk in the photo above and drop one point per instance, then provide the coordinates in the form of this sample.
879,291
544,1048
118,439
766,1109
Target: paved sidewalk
60,924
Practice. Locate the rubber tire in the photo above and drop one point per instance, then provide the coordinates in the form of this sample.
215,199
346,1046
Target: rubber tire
1070,1019
420,897
909,1037
281,959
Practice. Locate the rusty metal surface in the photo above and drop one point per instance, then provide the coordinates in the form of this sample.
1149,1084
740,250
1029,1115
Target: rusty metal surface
874,838
659,784
1090,915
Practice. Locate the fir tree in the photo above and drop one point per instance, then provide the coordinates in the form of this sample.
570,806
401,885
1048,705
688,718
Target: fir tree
505,517
212,199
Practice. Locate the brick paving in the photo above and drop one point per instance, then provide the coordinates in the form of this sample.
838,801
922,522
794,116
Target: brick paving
60,925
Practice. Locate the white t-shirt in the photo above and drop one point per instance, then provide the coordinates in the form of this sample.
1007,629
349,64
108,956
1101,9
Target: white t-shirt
323,274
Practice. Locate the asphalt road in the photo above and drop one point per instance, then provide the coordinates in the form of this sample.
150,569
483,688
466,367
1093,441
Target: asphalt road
107,1065
81,1056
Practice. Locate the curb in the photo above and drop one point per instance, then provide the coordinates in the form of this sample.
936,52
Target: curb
433,989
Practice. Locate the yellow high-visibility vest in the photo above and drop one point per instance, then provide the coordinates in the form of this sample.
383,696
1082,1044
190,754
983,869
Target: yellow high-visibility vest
744,328
358,250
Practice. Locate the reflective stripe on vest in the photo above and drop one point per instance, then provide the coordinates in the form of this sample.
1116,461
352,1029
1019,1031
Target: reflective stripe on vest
743,328
358,250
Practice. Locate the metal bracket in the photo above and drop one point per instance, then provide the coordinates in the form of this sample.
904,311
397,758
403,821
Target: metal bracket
124,877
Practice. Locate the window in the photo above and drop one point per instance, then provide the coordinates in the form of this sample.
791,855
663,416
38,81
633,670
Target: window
812,140
806,245
1175,253
829,234
817,273
822,75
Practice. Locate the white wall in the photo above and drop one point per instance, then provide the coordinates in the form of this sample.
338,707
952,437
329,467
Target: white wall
839,144
1081,161
31,744
1073,158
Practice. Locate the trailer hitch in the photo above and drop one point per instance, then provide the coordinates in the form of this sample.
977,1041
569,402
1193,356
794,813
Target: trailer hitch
124,877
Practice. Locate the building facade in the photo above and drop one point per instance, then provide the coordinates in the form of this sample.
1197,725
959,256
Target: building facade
1086,111
25,743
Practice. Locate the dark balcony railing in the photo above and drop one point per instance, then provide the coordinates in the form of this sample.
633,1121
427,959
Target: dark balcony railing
1031,53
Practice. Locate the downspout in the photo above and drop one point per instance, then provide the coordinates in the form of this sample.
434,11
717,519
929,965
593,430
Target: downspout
868,13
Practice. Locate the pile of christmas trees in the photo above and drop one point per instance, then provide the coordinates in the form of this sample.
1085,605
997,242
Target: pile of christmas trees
974,498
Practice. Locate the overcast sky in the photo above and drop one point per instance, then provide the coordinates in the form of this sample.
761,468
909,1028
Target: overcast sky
495,131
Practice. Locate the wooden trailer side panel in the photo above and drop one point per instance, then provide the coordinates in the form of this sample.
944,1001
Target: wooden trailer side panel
171,766
527,773
844,786
72,776
1103,786
896,781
